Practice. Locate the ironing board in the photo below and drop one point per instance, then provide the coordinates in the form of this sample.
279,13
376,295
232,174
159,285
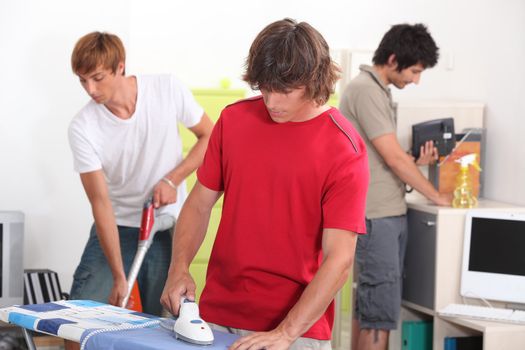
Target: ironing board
101,326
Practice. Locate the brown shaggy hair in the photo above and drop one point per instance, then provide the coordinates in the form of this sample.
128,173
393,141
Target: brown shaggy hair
288,55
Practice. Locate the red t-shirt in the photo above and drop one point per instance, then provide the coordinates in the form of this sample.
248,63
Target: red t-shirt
283,184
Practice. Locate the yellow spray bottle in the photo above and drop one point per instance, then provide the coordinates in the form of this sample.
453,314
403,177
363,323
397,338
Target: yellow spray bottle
463,195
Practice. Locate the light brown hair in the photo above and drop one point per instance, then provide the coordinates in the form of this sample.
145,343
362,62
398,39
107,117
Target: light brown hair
288,55
97,49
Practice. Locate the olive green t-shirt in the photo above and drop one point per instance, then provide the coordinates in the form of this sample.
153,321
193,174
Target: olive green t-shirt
367,103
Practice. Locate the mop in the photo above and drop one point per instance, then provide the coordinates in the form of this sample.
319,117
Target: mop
149,226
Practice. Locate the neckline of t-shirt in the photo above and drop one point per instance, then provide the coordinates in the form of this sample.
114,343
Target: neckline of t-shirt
132,118
306,122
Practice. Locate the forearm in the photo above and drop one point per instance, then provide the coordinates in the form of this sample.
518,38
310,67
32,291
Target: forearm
196,154
405,168
108,236
191,162
329,279
190,231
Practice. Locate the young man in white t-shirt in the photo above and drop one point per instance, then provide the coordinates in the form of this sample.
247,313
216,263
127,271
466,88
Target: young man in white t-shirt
127,147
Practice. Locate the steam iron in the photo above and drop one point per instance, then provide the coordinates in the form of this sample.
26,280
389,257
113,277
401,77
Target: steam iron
190,327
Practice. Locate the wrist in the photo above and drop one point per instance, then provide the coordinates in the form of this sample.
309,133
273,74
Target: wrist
120,277
435,197
170,183
174,176
179,267
289,331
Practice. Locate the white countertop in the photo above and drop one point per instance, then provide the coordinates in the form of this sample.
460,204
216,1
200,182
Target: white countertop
418,202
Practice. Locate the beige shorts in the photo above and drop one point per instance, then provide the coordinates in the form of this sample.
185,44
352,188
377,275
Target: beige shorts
299,344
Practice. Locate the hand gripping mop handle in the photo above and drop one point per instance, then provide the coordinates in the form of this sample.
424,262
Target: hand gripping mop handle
148,227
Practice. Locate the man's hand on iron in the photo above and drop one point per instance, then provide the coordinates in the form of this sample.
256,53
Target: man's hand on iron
178,285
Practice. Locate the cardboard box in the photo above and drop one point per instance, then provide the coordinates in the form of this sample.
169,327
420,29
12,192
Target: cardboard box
443,175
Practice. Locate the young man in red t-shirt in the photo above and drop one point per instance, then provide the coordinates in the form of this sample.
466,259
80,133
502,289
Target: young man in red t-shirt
294,174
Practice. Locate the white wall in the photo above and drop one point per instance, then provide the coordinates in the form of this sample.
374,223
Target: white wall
38,97
203,42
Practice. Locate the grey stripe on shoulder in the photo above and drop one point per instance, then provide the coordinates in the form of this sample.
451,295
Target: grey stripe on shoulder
344,132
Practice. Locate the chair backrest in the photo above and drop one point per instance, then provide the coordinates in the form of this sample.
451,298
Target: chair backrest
41,286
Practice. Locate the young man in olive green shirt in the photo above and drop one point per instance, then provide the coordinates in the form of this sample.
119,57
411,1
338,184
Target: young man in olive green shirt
403,54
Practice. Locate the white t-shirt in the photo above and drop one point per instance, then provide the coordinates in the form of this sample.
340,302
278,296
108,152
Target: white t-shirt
136,153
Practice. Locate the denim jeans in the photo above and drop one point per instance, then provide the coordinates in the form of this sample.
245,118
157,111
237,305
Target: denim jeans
93,279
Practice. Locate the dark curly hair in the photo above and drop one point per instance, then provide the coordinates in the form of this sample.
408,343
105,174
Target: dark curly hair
411,44
288,55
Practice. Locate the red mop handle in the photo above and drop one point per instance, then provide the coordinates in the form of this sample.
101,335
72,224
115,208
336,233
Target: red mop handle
148,219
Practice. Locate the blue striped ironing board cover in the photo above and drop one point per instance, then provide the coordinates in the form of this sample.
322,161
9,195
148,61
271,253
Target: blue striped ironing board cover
101,326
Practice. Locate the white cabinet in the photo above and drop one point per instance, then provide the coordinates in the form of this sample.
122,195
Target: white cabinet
432,278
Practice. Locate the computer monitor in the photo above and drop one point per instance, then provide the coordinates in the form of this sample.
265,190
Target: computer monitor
11,258
494,256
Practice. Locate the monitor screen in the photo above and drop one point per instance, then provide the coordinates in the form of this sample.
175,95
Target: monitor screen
493,256
497,246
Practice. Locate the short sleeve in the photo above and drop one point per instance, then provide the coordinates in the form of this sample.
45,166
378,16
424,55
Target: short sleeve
189,112
344,201
373,113
210,172
85,158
